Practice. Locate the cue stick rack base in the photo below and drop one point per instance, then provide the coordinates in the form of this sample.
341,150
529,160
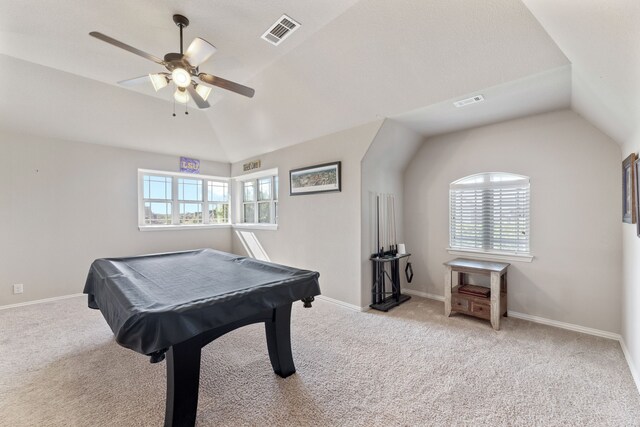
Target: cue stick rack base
381,299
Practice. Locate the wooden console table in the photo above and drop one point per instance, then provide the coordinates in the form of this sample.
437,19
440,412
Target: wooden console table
484,308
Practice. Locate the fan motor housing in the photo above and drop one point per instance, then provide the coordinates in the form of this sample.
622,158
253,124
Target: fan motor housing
177,60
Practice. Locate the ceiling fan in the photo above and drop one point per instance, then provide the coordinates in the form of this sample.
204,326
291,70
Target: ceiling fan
182,69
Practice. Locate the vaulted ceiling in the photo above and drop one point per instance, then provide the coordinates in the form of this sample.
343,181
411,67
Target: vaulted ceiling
351,62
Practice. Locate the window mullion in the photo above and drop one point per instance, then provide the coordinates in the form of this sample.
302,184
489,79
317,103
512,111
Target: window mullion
175,204
205,201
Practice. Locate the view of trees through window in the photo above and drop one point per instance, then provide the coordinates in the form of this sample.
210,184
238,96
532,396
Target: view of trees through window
260,200
174,200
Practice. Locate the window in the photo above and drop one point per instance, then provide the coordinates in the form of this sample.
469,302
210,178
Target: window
170,199
218,202
190,201
260,200
489,212
157,199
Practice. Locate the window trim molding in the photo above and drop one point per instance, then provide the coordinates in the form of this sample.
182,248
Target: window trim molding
492,255
237,214
174,201
254,226
174,227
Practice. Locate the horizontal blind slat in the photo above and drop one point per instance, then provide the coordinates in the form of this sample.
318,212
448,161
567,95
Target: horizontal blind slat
490,217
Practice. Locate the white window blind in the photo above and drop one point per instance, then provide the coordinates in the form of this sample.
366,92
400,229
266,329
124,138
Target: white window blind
490,212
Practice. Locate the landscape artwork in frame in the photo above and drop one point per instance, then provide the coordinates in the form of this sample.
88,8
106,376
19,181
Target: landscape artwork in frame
636,171
315,179
628,190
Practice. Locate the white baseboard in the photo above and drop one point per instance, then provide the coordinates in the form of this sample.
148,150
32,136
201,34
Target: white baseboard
39,301
534,319
422,294
632,367
342,304
563,325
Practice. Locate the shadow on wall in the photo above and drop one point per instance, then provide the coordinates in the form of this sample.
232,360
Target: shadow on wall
252,245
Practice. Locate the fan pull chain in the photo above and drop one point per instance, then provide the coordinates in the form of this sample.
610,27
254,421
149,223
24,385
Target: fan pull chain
174,108
185,109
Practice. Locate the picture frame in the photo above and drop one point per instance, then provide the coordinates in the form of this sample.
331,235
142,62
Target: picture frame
636,170
629,189
323,178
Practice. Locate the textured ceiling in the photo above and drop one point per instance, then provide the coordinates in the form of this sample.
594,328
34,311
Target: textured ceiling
602,41
547,91
350,63
64,106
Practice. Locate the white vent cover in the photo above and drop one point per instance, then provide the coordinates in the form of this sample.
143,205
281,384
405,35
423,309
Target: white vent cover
468,101
279,31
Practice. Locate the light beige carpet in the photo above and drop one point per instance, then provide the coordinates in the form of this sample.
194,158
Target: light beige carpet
59,366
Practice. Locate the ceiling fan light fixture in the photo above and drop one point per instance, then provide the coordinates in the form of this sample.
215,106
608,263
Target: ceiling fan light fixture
158,81
181,95
203,91
181,77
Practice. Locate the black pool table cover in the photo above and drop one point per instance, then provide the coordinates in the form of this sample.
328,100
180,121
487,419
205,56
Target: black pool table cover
152,302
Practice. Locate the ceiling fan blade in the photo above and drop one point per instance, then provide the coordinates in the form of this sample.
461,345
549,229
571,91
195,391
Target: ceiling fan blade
124,46
201,103
227,84
135,81
199,51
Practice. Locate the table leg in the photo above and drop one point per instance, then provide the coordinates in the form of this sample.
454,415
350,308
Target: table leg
183,380
447,291
395,269
374,283
278,331
495,300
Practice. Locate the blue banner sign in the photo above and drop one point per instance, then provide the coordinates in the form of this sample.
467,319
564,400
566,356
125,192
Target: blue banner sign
189,165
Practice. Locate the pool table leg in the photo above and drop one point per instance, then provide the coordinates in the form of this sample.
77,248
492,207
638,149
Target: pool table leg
278,330
183,380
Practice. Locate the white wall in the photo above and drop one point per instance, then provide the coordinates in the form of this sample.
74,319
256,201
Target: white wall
631,284
64,204
575,213
319,232
382,172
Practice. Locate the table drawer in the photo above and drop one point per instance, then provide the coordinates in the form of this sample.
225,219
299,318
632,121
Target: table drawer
481,310
459,304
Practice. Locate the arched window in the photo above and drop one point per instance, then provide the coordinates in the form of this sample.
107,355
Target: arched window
489,212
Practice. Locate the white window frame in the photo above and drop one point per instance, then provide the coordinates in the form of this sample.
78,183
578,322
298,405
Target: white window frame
239,192
175,202
483,181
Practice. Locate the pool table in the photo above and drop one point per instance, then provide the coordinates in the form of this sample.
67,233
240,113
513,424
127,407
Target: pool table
173,304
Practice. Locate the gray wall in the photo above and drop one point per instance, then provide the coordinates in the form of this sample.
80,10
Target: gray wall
319,231
382,172
63,204
575,276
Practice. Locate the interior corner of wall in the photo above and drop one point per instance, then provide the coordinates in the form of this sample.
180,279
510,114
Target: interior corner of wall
380,123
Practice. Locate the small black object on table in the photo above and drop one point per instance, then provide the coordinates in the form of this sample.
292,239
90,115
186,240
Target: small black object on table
381,299
174,304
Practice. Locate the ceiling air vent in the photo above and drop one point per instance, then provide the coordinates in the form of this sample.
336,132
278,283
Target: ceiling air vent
469,101
280,30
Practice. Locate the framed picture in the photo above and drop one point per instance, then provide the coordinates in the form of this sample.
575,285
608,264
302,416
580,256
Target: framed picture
636,172
315,179
629,189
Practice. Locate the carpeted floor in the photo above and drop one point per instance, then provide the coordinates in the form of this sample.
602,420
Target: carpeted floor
59,366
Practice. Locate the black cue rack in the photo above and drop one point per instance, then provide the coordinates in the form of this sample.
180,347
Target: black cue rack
386,268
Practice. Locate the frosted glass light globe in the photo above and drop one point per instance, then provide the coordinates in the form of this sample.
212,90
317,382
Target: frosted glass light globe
181,96
203,91
181,77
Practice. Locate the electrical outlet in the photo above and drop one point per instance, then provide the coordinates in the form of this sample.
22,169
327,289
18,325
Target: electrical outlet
18,288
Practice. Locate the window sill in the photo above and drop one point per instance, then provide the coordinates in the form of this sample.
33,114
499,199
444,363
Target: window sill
181,227
246,226
491,255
